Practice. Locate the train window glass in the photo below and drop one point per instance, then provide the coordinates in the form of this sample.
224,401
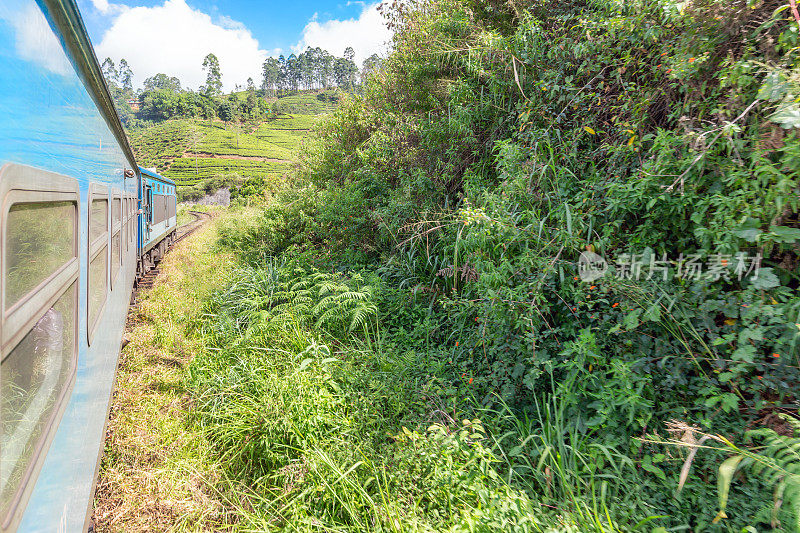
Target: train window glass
116,228
38,318
98,220
40,239
124,224
97,284
130,217
34,379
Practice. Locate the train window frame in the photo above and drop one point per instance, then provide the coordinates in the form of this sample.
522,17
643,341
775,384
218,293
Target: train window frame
134,219
25,184
22,184
125,219
115,229
97,192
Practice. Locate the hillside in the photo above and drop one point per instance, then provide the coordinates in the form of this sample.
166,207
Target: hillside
540,274
202,155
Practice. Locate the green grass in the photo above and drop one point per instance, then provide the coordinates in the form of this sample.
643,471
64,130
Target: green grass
324,423
158,472
156,145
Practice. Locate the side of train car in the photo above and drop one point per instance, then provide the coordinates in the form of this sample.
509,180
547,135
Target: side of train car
159,218
78,220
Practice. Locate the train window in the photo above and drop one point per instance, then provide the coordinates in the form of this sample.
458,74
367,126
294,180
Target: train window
36,376
116,233
124,234
38,286
97,284
36,246
134,218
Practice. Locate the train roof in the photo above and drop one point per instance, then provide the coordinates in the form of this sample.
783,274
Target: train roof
65,19
154,175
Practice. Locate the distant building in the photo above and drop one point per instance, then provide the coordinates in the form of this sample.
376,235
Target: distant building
134,103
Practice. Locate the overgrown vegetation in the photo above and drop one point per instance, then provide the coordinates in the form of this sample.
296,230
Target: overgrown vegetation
410,344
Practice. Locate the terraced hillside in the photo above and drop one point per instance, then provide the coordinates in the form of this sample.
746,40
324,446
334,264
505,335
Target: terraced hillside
201,155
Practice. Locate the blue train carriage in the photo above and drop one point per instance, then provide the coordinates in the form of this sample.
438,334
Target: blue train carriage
158,218
68,256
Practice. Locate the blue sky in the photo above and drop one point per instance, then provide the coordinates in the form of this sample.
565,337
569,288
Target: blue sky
172,36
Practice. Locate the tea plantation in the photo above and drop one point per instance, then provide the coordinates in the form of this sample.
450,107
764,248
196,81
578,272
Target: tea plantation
203,155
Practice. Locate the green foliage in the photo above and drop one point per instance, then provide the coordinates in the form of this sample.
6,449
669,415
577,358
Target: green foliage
498,142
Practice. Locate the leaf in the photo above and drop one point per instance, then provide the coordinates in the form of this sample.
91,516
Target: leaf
653,313
631,320
745,353
774,87
726,471
766,279
750,235
785,234
630,141
748,230
516,75
647,464
589,130
788,116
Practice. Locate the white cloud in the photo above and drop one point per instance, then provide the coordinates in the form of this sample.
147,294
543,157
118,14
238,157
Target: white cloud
173,38
35,40
367,34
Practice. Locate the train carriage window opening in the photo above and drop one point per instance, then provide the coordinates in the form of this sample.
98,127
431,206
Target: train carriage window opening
97,283
125,224
134,217
38,286
116,232
129,224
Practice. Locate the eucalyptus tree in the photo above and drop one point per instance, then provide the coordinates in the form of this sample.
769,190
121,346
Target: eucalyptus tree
213,84
270,73
125,76
110,72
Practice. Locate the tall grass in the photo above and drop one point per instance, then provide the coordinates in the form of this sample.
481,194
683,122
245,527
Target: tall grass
325,426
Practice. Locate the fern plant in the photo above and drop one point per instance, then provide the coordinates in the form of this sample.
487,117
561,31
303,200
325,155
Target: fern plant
344,303
776,460
778,463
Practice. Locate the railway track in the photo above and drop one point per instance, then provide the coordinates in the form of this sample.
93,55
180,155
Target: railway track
147,281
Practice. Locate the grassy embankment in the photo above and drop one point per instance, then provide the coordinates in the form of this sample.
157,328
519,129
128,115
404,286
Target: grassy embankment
158,470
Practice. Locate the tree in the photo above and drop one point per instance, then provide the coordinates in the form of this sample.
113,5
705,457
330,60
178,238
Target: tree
350,54
213,84
125,76
162,81
110,72
270,72
344,73
160,104
370,65
251,103
282,74
225,111
208,107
